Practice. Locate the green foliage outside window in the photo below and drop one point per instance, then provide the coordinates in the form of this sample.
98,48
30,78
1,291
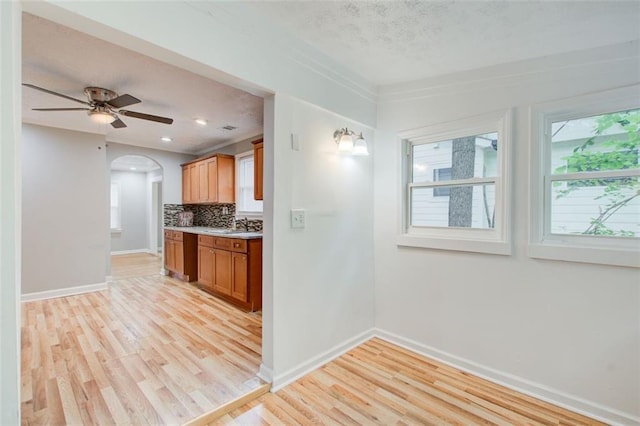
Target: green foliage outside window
621,153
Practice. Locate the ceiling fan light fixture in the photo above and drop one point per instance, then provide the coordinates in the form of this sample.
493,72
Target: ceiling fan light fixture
102,117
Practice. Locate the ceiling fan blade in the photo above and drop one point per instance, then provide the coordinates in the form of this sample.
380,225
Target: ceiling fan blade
61,109
149,117
118,124
123,101
55,93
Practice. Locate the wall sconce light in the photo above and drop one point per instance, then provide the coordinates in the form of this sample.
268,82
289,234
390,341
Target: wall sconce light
346,145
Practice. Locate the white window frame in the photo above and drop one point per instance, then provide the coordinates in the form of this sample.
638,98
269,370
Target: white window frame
244,213
119,208
496,240
619,251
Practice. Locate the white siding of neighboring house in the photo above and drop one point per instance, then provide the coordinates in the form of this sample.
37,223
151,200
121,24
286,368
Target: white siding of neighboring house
570,214
430,210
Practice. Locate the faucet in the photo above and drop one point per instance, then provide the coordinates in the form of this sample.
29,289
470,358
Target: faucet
233,223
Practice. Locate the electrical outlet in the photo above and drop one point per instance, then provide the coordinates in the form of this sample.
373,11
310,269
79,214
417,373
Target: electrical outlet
297,218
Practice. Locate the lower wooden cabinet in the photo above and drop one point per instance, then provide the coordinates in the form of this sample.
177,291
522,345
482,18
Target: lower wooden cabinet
231,269
180,255
205,266
239,272
222,274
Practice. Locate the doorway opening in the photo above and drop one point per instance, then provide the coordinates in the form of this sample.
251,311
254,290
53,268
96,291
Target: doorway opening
135,214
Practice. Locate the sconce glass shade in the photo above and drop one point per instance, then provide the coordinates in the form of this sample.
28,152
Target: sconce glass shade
360,146
102,117
345,144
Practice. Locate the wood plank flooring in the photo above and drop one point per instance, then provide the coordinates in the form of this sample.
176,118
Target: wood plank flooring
150,350
380,383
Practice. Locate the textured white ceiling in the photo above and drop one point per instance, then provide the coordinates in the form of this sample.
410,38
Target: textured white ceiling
65,61
397,41
383,41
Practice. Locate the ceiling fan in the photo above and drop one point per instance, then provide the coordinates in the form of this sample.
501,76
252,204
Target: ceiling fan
103,106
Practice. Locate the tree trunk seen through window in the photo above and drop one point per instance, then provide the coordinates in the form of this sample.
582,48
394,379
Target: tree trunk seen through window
463,157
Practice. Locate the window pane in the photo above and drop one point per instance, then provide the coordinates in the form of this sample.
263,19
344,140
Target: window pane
461,158
466,206
245,201
598,143
115,195
596,207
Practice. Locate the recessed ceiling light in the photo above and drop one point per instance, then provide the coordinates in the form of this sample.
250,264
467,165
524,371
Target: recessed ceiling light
132,168
201,121
166,139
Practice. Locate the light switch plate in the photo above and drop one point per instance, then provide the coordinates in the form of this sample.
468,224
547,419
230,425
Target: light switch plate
295,142
297,219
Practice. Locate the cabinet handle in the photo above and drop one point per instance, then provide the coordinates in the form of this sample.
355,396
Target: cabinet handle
236,245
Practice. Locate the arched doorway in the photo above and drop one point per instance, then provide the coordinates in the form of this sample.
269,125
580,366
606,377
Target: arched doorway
135,205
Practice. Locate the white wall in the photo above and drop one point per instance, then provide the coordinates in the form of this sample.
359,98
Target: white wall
65,209
322,275
566,331
10,227
134,212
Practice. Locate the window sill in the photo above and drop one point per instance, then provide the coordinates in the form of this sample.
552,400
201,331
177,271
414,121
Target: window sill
597,255
248,215
457,244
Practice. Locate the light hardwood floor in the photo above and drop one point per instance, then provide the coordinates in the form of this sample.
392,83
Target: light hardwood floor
153,350
150,350
379,383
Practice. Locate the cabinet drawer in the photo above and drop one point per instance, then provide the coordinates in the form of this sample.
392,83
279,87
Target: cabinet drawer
231,244
204,240
177,235
168,235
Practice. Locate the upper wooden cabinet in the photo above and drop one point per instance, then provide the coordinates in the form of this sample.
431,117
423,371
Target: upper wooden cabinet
209,180
258,169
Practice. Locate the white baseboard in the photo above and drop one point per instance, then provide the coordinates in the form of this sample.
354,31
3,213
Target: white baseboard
265,374
536,390
318,361
62,292
144,250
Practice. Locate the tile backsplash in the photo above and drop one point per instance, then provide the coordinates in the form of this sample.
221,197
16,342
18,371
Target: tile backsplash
211,215
171,214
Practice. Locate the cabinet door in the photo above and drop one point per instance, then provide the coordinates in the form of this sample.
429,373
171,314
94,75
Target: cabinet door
203,182
205,266
168,254
195,180
212,179
258,170
239,265
226,180
178,251
186,185
222,271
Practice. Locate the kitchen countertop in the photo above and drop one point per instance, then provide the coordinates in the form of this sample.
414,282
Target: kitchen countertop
216,232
